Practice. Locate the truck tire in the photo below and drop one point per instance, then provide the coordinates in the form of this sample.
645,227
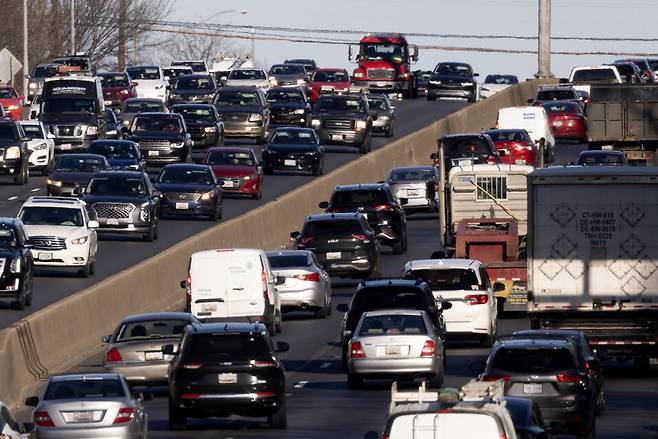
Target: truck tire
500,307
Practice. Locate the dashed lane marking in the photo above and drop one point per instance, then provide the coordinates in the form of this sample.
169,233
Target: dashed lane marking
325,365
300,384
12,198
36,189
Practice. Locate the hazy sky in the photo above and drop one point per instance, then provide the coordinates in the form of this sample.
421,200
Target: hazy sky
588,18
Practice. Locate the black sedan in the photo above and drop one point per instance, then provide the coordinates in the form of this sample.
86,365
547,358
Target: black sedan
123,155
288,106
294,149
72,172
187,189
453,80
16,272
162,138
199,89
203,123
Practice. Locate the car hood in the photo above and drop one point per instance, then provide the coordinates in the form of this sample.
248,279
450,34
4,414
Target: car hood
115,89
72,177
9,101
117,163
187,188
247,82
238,109
336,85
194,92
232,171
9,142
452,78
156,135
49,230
339,113
289,77
287,148
287,105
91,198
82,118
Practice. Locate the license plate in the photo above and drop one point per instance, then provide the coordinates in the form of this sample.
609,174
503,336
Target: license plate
333,255
392,350
83,416
153,356
44,256
290,162
327,88
153,153
182,206
336,137
228,183
209,307
65,146
532,388
112,222
412,192
227,378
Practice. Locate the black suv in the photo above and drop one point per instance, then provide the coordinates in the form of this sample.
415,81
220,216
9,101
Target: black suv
123,202
222,369
17,270
550,372
380,207
379,294
344,243
195,88
343,119
14,155
465,150
288,106
203,123
162,138
72,172
453,80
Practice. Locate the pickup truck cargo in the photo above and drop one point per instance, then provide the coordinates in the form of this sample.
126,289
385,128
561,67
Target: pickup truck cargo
593,256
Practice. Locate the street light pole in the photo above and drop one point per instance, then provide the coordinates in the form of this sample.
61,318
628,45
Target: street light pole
26,69
544,40
253,45
72,27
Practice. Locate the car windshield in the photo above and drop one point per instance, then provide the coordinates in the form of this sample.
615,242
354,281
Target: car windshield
237,98
180,175
142,106
116,186
509,136
247,74
33,131
143,72
562,107
530,360
7,93
236,158
68,106
329,229
149,329
288,69
233,347
188,82
593,75
7,132
555,95
324,76
118,80
197,66
285,261
53,216
71,163
453,70
392,325
452,279
195,114
387,298
408,174
377,104
296,137
358,197
114,150
376,51
501,79
279,95
341,104
84,388
157,123
178,71
599,159
7,237
468,148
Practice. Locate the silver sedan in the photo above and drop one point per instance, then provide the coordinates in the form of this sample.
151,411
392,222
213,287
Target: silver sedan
418,185
307,286
395,344
135,348
89,406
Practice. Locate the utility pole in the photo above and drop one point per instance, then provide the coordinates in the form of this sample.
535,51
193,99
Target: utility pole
544,40
72,27
26,69
253,45
123,11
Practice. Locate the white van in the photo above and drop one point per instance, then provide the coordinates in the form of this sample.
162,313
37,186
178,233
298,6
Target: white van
532,119
232,285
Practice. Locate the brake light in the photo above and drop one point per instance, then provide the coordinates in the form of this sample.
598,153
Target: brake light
126,414
565,378
491,160
263,364
306,240
265,394
495,378
311,277
363,238
190,395
42,419
113,356
429,348
476,299
387,207
357,350
192,366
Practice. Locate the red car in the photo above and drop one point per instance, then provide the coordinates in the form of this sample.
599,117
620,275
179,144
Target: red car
328,81
237,169
117,87
514,146
11,102
567,120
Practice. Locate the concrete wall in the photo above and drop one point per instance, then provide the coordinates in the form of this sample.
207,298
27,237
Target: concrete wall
58,337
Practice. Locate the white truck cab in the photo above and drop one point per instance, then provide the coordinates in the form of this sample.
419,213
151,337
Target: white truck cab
582,77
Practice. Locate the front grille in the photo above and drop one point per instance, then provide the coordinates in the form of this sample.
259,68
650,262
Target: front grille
339,124
181,196
113,210
381,73
236,117
66,130
48,243
494,186
154,144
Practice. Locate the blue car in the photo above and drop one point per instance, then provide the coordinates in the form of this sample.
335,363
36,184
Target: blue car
123,155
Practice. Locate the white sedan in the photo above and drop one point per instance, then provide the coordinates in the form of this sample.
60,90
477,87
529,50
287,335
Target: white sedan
42,147
248,77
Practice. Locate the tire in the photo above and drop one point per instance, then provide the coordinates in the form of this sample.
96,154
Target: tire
599,407
86,270
22,178
354,381
590,434
48,169
431,97
389,132
500,307
92,267
176,419
436,380
259,195
279,420
19,304
150,236
28,297
319,170
364,147
321,313
487,341
398,248
471,99
278,324
216,215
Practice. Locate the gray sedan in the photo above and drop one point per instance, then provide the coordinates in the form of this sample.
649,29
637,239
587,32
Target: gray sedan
97,405
395,343
135,348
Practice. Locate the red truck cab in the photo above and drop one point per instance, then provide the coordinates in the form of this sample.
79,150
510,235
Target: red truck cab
384,65
117,87
11,102
328,81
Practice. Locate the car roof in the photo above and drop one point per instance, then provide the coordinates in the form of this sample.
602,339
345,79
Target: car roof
66,202
288,128
199,106
197,75
549,333
230,149
333,216
413,168
159,101
30,122
113,142
391,312
158,316
82,376
458,135
159,113
361,186
198,166
505,130
82,155
239,88
556,87
333,69
284,88
123,174
592,152
391,282
446,264
230,327
110,73
526,342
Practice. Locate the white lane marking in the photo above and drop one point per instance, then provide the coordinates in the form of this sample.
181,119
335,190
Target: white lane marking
12,198
325,365
36,189
300,384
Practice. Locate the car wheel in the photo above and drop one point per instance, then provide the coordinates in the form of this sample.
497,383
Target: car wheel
19,304
268,171
318,170
398,247
471,99
590,433
320,313
21,178
176,419
354,381
259,195
364,148
28,297
150,236
92,267
431,97
85,271
600,405
48,169
487,341
436,380
278,324
389,131
279,419
216,214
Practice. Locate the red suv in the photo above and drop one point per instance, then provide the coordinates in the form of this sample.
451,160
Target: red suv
117,87
328,81
11,102
514,146
567,120
238,170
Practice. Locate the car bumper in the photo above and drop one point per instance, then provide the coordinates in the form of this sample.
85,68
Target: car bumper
294,299
245,404
171,156
62,191
569,132
123,226
11,167
300,120
523,157
382,85
188,207
243,130
11,287
76,256
127,431
381,126
249,187
73,144
39,159
348,268
297,163
575,416
440,92
394,366
205,139
142,374
342,137
480,324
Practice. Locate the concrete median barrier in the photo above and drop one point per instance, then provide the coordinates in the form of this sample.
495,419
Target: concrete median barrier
56,338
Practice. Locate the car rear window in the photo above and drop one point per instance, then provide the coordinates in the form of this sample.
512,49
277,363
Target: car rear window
529,360
406,174
244,346
393,325
600,159
284,261
509,136
151,329
555,95
594,75
328,229
235,158
372,299
447,279
358,197
7,93
562,107
465,147
138,106
88,388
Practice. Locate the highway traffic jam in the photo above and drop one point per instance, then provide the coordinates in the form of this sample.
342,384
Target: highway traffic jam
494,248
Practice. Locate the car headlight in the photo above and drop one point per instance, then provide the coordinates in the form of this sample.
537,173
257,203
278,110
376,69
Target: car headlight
124,92
208,195
255,117
39,147
177,144
55,183
299,111
247,177
466,83
359,74
301,81
174,96
32,85
13,107
361,125
273,80
210,129
435,82
383,118
13,152
132,167
210,96
80,240
315,123
404,75
125,123
15,266
144,213
92,130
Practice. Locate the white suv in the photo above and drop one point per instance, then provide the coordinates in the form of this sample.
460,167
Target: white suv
60,233
465,284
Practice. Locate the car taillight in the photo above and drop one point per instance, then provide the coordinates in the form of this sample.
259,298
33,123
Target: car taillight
429,348
305,240
263,364
387,207
566,378
363,238
265,394
192,366
495,378
476,299
126,414
190,395
491,160
42,419
357,350
311,277
113,356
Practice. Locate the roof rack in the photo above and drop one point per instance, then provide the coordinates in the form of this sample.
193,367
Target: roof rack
421,396
482,390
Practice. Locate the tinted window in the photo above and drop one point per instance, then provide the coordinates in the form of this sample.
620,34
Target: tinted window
285,261
529,360
359,197
293,137
375,51
555,95
387,298
247,74
157,123
288,69
279,95
143,72
173,73
44,71
33,131
116,186
601,159
68,106
331,77
114,150
79,164
562,107
236,158
453,69
377,104
594,75
54,216
7,93
87,388
237,97
328,229
340,104
8,132
186,176
501,79
509,136
7,237
411,174
142,106
197,66
448,279
151,329
475,148
193,83
197,114
393,325
231,347
119,80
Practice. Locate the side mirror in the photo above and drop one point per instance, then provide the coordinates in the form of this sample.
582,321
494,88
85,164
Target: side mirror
146,396
282,346
323,205
477,366
29,428
279,280
342,307
134,84
445,305
157,193
223,78
168,349
499,287
125,130
433,156
32,401
93,224
106,338
404,201
294,235
475,75
183,284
